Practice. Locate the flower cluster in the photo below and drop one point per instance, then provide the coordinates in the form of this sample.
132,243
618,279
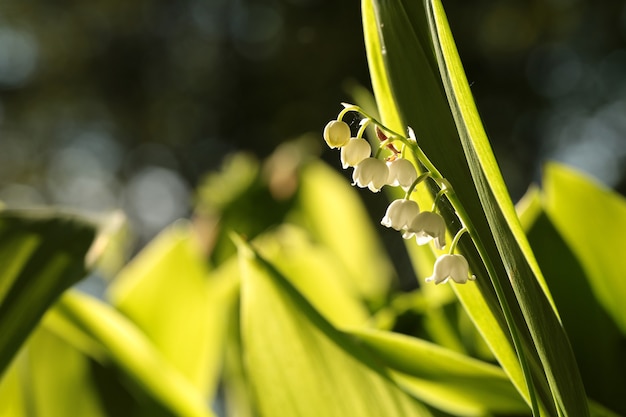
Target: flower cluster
403,215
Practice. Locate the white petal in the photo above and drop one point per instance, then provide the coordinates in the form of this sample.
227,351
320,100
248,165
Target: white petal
427,226
400,213
453,267
371,173
355,151
401,173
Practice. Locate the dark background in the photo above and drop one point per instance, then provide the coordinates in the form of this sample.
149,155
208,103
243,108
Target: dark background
126,104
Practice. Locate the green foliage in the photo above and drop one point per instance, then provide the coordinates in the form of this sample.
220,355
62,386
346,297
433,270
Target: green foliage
41,255
280,298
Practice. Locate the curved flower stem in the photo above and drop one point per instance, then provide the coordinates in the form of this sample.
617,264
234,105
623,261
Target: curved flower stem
419,179
364,123
438,197
456,239
469,228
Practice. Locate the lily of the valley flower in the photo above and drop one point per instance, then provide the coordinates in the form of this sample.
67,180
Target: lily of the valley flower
427,226
401,173
371,173
451,266
356,150
400,213
336,133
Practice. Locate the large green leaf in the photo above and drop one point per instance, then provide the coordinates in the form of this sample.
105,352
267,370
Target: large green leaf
523,273
41,254
107,336
592,220
595,338
331,210
317,274
169,293
389,51
571,271
299,364
436,101
445,379
49,378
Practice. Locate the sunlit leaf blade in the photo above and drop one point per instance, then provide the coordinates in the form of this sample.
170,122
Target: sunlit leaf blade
595,338
111,336
445,379
41,254
317,274
299,365
547,332
331,210
595,231
464,157
409,95
168,292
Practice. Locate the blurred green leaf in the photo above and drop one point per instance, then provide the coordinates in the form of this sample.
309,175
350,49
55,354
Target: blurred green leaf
105,334
452,382
41,254
332,211
594,334
316,273
592,221
50,379
168,292
299,364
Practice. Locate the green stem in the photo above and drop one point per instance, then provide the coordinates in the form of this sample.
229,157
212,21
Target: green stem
482,251
419,179
456,239
364,125
506,309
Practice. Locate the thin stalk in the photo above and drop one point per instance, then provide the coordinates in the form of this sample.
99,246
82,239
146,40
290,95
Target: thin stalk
482,251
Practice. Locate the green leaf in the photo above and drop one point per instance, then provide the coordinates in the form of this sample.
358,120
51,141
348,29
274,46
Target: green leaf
592,329
523,272
49,378
41,254
299,364
108,336
592,221
317,274
436,101
169,293
331,210
450,381
399,59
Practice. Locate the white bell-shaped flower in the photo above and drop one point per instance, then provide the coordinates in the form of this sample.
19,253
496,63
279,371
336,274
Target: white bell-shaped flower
371,173
356,150
401,173
451,266
336,133
400,213
427,226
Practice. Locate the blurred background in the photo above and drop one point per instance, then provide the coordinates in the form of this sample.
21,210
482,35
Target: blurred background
127,104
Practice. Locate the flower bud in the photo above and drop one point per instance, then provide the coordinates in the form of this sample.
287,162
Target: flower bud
355,151
427,226
400,213
451,266
371,173
336,133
